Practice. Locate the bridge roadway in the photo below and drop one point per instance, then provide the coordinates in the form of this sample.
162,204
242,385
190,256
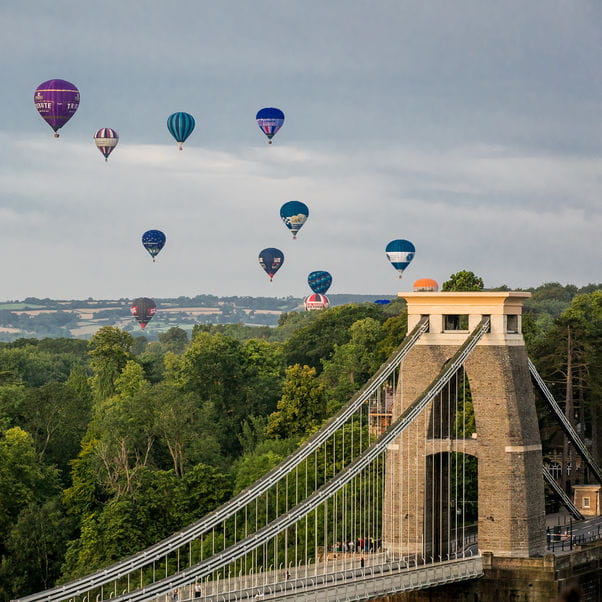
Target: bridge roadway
333,581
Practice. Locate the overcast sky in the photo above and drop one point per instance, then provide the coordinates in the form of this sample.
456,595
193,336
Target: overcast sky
472,129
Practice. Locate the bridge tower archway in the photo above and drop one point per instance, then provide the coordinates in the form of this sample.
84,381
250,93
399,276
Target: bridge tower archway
507,443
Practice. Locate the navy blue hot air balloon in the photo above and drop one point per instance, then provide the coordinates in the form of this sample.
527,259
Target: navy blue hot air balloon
271,261
294,214
153,241
269,120
319,281
180,126
400,253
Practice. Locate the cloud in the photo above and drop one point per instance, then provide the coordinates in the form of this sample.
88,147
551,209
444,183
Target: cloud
72,224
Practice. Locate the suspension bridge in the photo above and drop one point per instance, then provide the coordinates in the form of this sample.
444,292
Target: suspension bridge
434,462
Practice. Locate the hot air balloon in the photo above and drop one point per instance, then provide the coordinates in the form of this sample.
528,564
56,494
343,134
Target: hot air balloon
153,241
56,101
319,281
294,214
269,120
271,261
400,253
425,285
316,301
180,126
143,309
106,140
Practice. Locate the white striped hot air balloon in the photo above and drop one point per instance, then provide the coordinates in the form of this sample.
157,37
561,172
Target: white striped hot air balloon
106,140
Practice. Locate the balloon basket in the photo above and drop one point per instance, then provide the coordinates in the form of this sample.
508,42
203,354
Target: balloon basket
56,135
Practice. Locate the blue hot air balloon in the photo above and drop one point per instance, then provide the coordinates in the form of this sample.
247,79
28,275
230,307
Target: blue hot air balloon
180,126
400,253
269,120
153,241
271,261
319,282
294,214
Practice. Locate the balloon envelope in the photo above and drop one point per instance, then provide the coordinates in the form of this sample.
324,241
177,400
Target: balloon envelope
294,214
153,241
143,309
269,120
180,126
316,301
56,101
319,281
106,140
271,260
400,253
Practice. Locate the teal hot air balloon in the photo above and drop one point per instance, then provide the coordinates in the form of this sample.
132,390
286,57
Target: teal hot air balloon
400,253
319,281
294,214
180,126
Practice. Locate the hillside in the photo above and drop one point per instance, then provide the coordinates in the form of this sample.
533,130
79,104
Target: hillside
39,318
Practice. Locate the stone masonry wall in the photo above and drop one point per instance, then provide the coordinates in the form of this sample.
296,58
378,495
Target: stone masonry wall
511,498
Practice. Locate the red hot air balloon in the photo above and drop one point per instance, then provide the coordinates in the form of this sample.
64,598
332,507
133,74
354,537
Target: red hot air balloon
316,301
56,101
143,309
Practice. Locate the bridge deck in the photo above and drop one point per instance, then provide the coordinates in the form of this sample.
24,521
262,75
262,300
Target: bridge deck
358,583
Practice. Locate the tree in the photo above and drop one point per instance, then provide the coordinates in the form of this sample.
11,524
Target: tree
263,373
258,462
569,357
57,419
354,362
34,549
302,405
312,344
212,369
175,339
395,330
23,480
179,426
159,504
109,350
124,429
463,281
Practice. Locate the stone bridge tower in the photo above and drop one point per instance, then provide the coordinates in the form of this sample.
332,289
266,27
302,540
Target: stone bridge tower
507,442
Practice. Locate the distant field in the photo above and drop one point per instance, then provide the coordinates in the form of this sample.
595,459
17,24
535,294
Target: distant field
12,306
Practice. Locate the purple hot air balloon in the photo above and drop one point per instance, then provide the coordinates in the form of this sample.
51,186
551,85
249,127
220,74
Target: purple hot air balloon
56,101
